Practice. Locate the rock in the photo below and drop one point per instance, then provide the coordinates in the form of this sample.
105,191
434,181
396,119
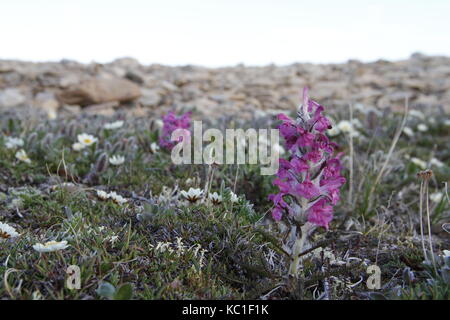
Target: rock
150,97
11,97
47,102
104,109
69,80
100,90
228,91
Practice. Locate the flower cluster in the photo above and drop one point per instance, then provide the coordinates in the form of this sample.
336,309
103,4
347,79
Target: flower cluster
310,179
171,123
195,194
116,198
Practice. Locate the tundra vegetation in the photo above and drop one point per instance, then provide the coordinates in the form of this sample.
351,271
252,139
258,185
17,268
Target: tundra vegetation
103,194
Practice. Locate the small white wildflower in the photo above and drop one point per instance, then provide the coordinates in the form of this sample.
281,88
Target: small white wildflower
113,125
154,147
113,239
78,146
422,127
64,185
86,139
436,162
102,195
37,295
12,143
52,114
234,197
446,253
215,198
408,131
50,246
420,163
117,198
357,123
7,232
117,160
416,114
447,122
436,197
334,131
159,123
22,156
193,194
345,126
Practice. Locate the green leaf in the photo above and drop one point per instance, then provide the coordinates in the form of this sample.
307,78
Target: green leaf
106,290
125,292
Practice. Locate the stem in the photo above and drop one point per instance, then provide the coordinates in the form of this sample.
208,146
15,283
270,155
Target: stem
429,228
350,185
296,251
421,220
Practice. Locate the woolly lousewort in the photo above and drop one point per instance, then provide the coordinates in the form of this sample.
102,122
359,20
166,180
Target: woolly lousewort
309,180
170,123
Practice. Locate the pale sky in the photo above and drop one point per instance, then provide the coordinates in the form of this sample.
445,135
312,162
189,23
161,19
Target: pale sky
223,32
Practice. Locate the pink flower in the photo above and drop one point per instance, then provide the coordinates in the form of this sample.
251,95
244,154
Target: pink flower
307,189
171,123
320,213
311,172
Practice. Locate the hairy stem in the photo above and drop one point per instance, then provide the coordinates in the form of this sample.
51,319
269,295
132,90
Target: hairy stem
297,250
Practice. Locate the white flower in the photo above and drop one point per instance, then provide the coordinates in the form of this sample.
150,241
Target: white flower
50,246
64,185
154,147
420,163
12,143
446,253
117,160
215,198
416,114
436,162
334,131
408,131
436,197
192,195
113,239
347,127
117,198
422,127
234,197
447,122
22,156
159,124
102,195
78,146
86,139
36,295
7,232
113,125
357,123
51,114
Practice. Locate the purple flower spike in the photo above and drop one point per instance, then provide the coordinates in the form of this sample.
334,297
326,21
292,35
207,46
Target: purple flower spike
171,123
309,180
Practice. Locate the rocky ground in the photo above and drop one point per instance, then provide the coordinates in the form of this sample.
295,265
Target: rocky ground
70,87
